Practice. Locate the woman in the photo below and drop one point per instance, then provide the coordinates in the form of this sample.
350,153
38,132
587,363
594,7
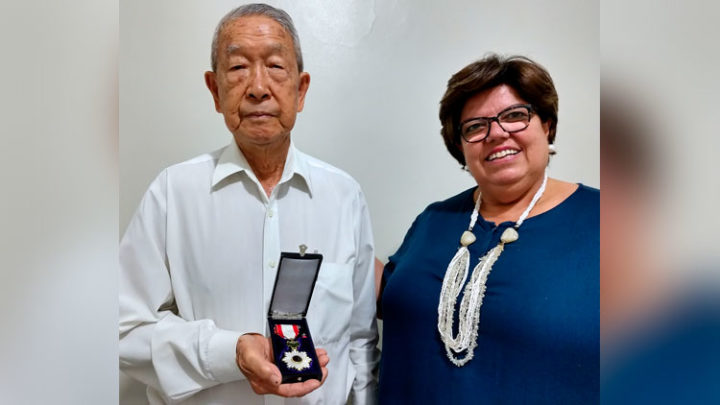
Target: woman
519,325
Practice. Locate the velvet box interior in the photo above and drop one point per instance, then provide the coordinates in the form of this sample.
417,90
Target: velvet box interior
293,348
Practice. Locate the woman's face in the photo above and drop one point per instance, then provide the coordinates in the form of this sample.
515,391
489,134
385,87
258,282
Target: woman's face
504,159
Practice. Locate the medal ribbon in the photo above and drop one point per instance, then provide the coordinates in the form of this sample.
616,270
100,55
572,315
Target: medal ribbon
287,331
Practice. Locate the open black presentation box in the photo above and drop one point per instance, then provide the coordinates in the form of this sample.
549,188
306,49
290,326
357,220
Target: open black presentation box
293,348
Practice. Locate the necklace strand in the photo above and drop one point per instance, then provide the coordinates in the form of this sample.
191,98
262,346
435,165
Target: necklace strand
456,276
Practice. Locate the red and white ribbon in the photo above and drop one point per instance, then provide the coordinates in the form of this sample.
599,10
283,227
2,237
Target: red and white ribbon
287,331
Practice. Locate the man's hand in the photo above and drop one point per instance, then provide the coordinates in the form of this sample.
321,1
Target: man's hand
254,357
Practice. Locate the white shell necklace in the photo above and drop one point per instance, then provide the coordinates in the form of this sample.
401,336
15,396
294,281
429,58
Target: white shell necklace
455,277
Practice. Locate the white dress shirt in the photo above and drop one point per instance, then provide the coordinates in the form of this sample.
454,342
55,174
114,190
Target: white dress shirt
198,263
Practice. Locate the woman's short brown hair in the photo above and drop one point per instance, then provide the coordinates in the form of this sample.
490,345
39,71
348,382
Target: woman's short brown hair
530,80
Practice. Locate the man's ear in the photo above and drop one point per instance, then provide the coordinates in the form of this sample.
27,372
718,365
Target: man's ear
303,84
211,83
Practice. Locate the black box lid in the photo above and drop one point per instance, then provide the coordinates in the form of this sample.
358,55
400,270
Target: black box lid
294,284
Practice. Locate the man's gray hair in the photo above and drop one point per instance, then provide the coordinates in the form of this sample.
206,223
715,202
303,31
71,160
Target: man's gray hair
276,14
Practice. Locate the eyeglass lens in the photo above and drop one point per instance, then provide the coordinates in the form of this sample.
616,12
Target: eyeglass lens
511,120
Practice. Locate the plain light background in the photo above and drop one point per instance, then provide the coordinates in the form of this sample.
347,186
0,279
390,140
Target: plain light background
58,202
378,70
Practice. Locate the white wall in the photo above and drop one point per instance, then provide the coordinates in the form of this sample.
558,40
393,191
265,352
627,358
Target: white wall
378,70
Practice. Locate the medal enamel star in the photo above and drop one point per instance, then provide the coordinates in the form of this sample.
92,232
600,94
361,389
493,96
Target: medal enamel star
297,360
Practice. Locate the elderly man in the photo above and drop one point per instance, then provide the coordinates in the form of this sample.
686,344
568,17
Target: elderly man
199,258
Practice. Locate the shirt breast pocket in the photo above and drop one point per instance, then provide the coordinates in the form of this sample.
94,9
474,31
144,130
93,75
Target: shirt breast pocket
332,303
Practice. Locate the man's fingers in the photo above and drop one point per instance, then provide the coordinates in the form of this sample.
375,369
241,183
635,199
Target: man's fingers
255,367
267,380
254,357
272,374
257,388
322,357
298,389
267,374
324,375
323,360
268,348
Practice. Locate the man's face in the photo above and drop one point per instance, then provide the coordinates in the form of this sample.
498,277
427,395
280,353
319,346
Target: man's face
256,85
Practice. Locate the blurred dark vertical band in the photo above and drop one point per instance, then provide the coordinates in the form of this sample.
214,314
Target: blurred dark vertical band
660,289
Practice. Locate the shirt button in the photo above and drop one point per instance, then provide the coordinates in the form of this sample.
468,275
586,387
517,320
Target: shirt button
271,263
270,213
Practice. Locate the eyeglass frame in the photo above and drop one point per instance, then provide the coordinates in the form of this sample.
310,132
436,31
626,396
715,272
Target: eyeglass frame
529,107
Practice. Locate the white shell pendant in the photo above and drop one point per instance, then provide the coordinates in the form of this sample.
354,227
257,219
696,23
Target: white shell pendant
509,235
467,238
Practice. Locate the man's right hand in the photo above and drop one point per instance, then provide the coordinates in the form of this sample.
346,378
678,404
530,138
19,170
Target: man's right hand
253,354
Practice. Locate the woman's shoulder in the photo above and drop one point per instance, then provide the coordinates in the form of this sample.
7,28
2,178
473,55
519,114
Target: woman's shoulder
571,200
583,202
588,194
561,192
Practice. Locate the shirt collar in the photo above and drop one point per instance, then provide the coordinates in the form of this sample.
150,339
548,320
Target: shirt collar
233,161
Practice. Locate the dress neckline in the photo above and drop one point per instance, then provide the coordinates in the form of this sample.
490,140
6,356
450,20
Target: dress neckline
485,224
